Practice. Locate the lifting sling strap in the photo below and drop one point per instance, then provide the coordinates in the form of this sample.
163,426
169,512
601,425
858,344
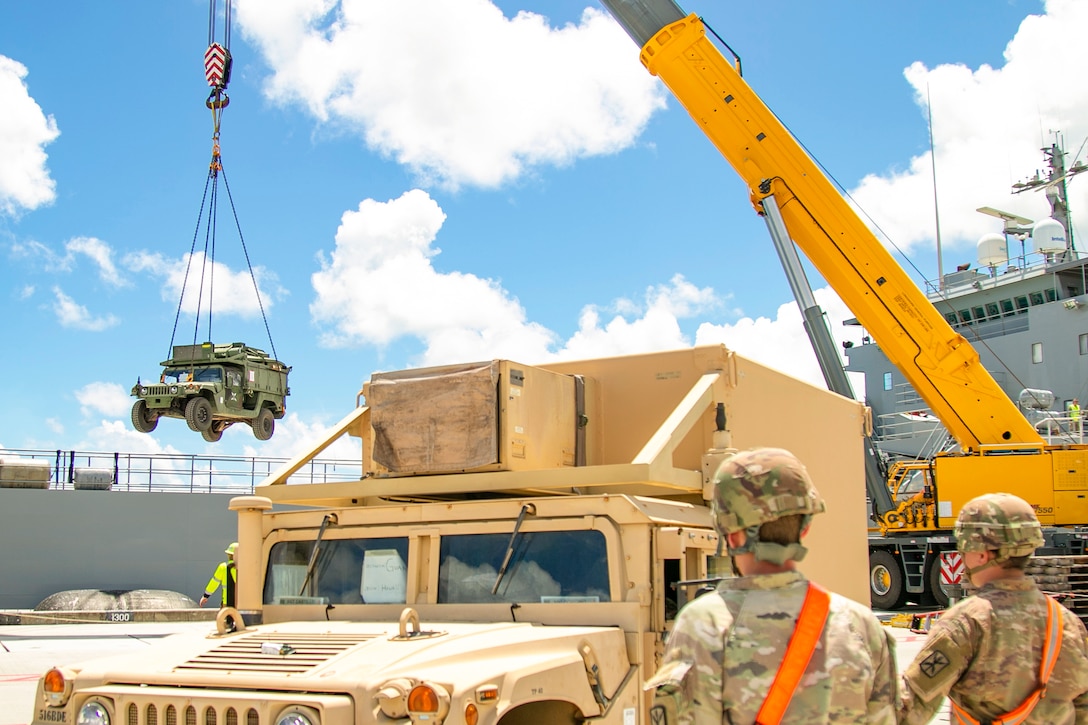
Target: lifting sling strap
1051,647
806,634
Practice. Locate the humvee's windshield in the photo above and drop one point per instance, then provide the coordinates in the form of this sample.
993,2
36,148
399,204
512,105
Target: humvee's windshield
546,566
200,375
346,571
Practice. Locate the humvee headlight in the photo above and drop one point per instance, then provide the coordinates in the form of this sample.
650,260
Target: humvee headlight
428,702
393,698
56,688
173,390
93,712
298,715
143,390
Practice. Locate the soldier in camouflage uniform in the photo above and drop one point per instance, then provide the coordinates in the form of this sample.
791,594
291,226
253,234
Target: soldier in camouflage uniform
727,646
984,653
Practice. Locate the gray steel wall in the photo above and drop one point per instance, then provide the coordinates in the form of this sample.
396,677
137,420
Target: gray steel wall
56,540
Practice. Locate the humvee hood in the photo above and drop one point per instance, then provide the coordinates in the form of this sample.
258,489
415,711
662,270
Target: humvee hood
317,656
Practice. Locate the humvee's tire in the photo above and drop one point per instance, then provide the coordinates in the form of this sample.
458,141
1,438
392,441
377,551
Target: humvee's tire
264,425
142,420
213,434
198,414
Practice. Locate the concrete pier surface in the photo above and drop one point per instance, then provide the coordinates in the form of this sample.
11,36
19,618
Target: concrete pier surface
29,650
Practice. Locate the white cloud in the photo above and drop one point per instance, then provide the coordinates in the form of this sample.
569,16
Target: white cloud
40,253
71,314
294,435
656,323
101,254
379,285
782,343
24,132
989,125
459,93
231,292
117,435
98,252
104,398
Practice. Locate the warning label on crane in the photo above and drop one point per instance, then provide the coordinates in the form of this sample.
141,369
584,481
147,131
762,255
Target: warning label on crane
217,65
951,567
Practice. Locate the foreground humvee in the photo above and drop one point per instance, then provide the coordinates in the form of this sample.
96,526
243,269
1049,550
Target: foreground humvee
515,551
211,387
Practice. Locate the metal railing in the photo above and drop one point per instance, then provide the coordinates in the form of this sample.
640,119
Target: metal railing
1056,428
177,473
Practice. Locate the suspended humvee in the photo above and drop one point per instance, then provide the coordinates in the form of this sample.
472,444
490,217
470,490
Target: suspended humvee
212,387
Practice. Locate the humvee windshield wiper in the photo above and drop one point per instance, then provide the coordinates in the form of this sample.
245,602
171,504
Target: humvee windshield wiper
329,519
526,509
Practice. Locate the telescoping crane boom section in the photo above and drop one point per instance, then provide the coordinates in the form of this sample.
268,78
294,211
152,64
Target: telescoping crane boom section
783,180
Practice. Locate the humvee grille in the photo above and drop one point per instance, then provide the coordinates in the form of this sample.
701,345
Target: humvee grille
156,390
150,715
299,653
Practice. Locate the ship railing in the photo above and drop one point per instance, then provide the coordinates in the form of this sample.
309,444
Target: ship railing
916,432
1057,429
1021,266
170,473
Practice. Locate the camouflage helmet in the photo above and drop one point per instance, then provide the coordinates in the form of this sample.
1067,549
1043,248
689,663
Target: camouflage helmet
998,522
761,485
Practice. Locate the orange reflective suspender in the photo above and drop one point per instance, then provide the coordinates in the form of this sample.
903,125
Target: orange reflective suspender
1051,647
810,623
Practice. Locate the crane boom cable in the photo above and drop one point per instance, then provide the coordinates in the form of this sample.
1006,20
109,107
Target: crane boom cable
209,255
208,228
211,22
226,24
188,265
249,265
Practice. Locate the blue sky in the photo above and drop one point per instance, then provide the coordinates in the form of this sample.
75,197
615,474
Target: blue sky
430,181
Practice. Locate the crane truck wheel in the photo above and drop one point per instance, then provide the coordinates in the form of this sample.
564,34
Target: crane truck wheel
933,582
142,419
885,580
198,414
264,425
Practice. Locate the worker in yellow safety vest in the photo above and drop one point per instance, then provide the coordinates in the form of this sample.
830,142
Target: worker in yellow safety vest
1074,416
1007,626
226,575
833,659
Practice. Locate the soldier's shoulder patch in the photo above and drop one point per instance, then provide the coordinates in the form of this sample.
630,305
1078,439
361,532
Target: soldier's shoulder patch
932,665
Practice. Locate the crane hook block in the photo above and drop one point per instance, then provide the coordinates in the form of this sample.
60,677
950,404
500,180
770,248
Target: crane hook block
217,62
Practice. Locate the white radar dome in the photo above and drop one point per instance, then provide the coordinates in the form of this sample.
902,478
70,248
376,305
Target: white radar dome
992,250
1048,235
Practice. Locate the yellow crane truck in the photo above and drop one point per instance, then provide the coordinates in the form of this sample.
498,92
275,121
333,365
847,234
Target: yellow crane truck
514,553
999,449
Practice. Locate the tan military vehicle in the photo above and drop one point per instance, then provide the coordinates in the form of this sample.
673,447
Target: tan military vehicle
515,552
